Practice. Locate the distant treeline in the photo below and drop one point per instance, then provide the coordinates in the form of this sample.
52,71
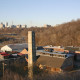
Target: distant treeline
66,34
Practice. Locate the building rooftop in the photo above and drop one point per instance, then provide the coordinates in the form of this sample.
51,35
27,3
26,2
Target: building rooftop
50,61
72,48
53,47
54,54
18,47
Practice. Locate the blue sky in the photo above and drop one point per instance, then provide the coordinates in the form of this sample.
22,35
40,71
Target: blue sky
39,12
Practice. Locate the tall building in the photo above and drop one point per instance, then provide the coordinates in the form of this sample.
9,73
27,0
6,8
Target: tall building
18,26
24,26
2,25
6,24
13,26
47,25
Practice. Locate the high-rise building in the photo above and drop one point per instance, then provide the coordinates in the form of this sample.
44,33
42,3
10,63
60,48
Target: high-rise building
47,25
18,26
13,26
2,25
6,24
24,26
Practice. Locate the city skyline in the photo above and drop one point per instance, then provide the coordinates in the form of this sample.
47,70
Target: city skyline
2,25
39,12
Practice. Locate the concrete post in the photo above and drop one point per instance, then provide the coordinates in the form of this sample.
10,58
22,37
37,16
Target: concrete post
31,53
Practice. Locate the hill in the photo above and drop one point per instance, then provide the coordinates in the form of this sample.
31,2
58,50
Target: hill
66,34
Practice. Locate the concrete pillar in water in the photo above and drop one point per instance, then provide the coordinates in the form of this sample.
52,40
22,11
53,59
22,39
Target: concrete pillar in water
31,53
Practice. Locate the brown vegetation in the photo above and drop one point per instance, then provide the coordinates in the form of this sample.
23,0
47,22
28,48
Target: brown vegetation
65,34
18,70
9,75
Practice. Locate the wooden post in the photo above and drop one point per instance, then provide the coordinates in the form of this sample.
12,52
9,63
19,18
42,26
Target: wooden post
3,68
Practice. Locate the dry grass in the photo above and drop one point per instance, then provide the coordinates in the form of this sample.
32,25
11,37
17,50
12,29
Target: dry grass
9,75
65,34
